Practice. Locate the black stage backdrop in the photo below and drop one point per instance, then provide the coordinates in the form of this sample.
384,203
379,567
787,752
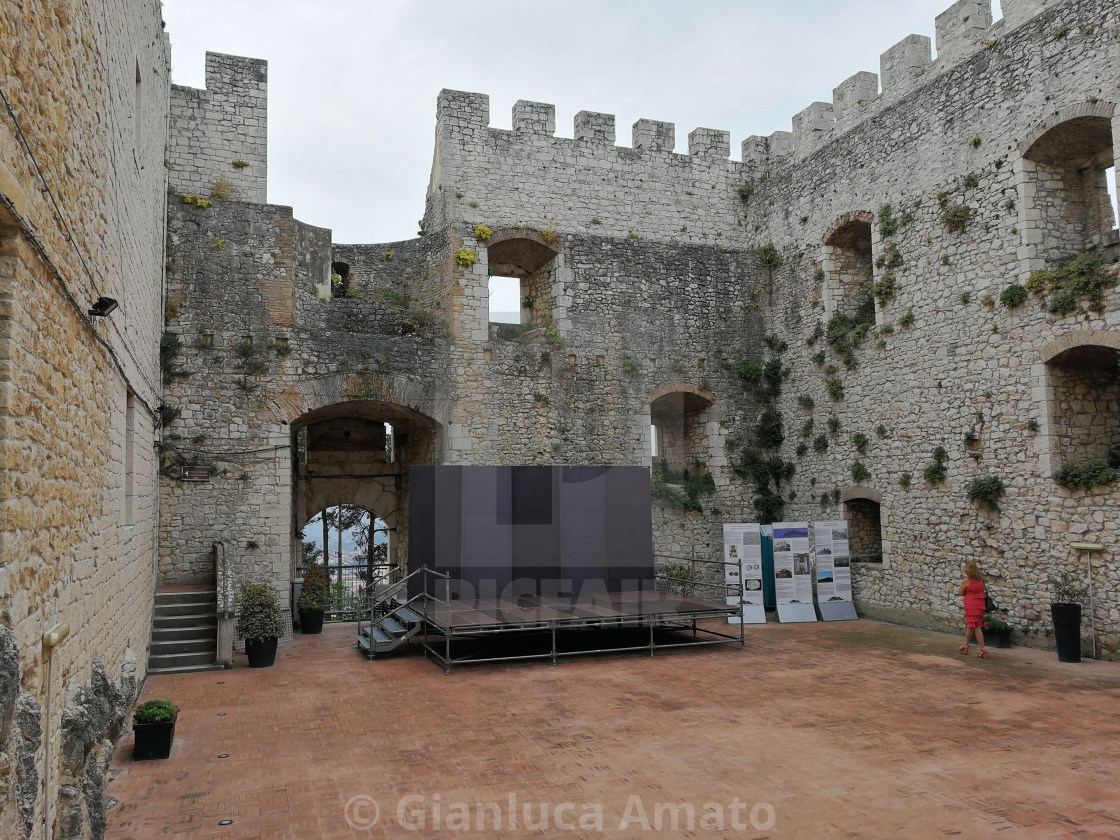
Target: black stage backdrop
513,531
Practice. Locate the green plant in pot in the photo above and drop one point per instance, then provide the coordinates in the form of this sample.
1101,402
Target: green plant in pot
260,623
1067,591
997,632
153,724
312,599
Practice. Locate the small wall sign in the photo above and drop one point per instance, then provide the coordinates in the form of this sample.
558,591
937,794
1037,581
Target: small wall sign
196,474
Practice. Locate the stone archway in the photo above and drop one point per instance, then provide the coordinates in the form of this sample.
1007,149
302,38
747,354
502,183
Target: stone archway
358,452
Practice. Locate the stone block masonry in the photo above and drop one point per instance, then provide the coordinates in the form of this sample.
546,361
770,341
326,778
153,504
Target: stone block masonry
220,134
83,184
851,308
806,326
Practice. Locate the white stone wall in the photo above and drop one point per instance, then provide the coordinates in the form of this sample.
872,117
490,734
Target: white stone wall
941,134
221,132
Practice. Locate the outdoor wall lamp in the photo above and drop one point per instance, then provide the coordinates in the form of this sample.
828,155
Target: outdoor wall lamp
103,307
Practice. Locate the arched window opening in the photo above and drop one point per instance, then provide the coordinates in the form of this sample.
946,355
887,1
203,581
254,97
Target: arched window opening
865,530
1068,168
679,430
1084,392
521,278
848,267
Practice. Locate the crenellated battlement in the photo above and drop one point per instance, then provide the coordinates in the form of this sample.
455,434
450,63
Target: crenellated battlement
961,31
651,173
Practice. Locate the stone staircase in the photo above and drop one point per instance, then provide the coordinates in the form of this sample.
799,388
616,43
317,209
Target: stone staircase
184,631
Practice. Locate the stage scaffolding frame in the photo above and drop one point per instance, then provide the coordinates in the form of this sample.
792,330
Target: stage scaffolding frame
656,611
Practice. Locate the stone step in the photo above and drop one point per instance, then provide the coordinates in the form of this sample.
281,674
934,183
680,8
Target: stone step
193,645
161,622
178,660
176,634
185,669
185,608
201,596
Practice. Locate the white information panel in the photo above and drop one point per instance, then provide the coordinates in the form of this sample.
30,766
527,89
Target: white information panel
833,570
742,550
793,572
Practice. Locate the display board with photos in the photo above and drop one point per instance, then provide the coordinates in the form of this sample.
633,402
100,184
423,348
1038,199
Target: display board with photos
742,557
793,572
833,562
793,567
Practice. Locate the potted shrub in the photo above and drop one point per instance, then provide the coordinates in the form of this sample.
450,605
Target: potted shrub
312,599
997,632
1066,593
153,724
260,623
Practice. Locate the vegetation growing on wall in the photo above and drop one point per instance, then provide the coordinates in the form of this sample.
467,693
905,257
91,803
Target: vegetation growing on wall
986,491
1085,475
169,347
846,333
681,490
1085,277
934,472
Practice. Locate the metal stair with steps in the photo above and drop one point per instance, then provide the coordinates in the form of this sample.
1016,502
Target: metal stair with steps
184,631
392,621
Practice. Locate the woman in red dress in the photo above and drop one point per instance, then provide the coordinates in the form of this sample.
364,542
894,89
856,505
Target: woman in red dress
972,588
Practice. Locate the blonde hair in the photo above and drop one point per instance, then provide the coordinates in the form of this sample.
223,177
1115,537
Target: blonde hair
972,570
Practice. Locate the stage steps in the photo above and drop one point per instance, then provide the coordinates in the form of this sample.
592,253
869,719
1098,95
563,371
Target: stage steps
393,624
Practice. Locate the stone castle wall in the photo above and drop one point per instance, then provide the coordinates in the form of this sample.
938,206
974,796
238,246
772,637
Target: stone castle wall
651,277
86,92
220,133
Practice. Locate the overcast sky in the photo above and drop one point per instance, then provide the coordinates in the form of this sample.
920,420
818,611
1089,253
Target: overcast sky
353,85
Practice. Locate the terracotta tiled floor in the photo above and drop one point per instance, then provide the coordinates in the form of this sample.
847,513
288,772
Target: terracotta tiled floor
854,730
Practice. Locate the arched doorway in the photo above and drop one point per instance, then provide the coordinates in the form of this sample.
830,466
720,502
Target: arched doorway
355,456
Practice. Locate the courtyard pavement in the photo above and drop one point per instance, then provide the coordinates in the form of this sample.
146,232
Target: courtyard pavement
845,730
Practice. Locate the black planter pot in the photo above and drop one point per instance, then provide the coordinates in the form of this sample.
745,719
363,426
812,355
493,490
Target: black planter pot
153,740
1067,631
311,622
998,638
261,653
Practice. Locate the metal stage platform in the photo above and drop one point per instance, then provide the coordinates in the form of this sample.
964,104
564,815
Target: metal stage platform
535,627
455,631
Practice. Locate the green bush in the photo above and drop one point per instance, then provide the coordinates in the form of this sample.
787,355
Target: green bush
1083,277
860,472
1086,475
313,596
1067,588
769,433
956,218
935,473
1013,295
749,371
258,615
769,256
155,711
834,388
986,490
